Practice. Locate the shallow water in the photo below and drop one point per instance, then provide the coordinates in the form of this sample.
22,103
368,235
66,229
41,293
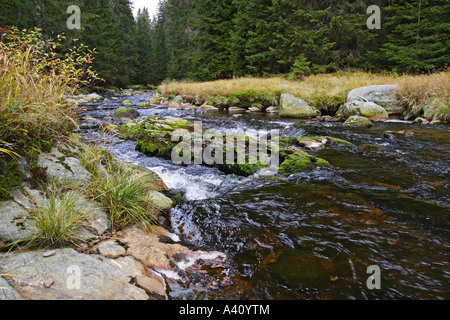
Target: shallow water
313,235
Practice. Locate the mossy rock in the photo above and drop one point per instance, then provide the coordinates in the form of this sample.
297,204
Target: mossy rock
131,130
125,112
365,109
156,144
112,128
127,102
296,160
293,107
358,121
145,105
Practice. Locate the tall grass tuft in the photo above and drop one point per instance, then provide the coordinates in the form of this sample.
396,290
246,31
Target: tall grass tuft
126,195
123,191
58,221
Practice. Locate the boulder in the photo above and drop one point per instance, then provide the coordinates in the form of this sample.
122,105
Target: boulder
272,110
293,107
176,102
358,121
383,95
206,108
360,108
125,112
126,102
93,96
236,110
68,275
160,201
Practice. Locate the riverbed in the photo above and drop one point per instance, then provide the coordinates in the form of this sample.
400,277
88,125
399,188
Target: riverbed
312,235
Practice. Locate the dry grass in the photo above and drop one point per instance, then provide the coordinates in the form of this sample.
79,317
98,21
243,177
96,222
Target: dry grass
325,91
33,81
426,94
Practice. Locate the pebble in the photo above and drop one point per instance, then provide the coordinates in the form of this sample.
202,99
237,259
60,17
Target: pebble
49,253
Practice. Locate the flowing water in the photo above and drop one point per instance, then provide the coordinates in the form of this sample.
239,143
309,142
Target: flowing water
313,235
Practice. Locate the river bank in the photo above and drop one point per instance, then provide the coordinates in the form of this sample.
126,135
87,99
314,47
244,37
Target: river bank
94,258
425,96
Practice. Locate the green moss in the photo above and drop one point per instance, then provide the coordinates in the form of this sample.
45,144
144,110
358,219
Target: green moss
10,177
245,169
296,160
131,130
156,145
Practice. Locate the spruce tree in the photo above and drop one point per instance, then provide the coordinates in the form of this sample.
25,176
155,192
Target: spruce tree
214,26
144,48
102,33
419,37
125,48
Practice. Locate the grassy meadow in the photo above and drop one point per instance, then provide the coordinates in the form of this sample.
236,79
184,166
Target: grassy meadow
426,95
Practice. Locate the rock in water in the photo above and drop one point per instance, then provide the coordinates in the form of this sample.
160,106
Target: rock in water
293,107
124,112
176,102
383,95
365,109
358,121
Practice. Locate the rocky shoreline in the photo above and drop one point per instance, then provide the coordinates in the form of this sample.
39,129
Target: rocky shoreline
128,264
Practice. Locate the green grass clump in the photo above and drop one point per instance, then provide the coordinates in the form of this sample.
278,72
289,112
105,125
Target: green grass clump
58,220
124,192
126,195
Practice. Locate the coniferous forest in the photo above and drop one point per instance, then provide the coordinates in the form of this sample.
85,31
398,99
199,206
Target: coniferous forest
314,161
219,39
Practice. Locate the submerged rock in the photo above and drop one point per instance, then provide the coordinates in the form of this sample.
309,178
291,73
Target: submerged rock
293,107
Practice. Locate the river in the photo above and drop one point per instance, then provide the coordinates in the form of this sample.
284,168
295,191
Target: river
313,235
